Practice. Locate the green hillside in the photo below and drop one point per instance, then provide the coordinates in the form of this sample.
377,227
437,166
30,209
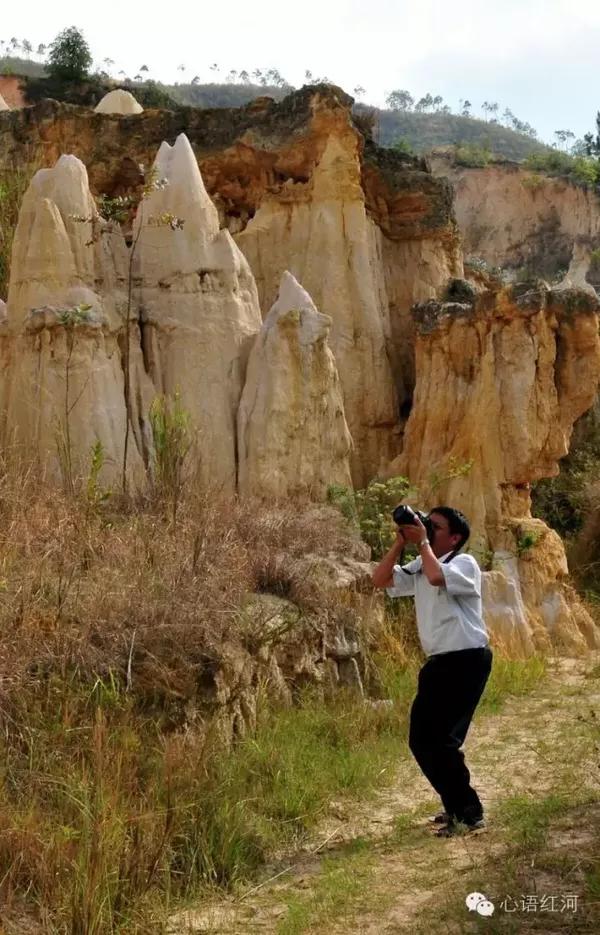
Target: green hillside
424,132
419,131
13,65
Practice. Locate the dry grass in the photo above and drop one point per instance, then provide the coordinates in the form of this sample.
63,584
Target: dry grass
91,591
113,622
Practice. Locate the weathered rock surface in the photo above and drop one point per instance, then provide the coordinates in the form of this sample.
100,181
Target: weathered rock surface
118,101
11,89
198,307
577,273
500,383
515,218
288,648
65,388
292,432
3,104
368,232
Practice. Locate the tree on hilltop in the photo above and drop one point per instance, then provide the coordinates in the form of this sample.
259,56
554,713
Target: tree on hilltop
70,57
591,143
400,100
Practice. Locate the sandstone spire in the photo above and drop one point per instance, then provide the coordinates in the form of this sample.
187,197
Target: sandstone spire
118,101
64,316
292,432
199,306
329,243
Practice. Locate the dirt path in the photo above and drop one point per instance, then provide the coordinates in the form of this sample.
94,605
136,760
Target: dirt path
374,867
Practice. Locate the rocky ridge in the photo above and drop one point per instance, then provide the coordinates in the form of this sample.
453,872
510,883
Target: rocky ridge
486,376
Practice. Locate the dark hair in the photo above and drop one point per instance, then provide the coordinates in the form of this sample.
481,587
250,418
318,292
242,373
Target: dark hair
458,523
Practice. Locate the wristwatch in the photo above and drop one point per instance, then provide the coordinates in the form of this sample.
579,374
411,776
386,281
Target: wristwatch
423,542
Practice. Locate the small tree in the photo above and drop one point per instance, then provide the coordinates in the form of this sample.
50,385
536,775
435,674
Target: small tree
400,100
70,57
592,143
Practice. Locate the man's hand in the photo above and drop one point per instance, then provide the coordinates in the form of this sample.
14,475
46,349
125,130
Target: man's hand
414,533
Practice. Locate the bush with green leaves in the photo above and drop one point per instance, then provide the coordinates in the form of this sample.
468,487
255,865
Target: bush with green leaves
563,501
402,145
371,509
584,170
472,156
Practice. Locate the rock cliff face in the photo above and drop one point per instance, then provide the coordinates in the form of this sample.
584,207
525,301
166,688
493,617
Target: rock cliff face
366,232
292,433
500,383
192,302
518,219
12,91
491,381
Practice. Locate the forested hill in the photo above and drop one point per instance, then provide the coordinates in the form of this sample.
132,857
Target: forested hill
423,132
419,132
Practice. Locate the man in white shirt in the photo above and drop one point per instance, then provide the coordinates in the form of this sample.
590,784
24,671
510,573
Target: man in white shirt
446,587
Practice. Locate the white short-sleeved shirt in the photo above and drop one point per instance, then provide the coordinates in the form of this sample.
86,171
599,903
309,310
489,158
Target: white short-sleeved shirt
448,618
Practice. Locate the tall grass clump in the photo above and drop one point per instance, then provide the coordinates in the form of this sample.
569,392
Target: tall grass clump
124,642
146,756
171,436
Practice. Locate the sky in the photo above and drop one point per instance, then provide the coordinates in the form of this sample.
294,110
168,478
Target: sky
537,57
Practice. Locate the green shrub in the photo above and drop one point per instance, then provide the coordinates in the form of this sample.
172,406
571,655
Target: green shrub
582,169
402,145
472,155
563,501
371,509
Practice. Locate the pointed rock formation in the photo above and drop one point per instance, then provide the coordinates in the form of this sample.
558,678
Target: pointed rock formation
323,231
199,306
118,101
3,104
302,186
579,267
500,383
292,432
65,389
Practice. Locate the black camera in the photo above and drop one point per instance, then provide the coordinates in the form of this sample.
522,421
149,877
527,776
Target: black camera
406,516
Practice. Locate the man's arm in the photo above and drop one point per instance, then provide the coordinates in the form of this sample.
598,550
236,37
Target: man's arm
432,569
383,575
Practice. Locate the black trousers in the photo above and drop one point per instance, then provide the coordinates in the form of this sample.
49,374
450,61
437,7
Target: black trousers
450,686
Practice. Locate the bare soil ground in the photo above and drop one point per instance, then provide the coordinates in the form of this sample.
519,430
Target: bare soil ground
375,867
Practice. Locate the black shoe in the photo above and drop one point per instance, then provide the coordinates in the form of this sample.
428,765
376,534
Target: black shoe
442,818
458,828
